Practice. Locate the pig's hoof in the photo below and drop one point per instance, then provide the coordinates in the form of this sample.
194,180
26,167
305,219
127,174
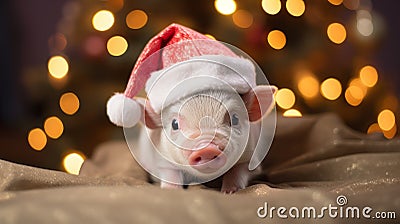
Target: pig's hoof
170,186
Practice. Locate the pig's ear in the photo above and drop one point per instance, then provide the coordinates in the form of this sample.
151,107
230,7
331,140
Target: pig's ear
259,101
150,118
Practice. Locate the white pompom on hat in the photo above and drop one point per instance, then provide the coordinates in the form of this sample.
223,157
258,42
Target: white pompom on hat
176,44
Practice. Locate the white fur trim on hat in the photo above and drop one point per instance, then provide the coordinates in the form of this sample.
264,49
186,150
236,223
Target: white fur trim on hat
123,111
238,73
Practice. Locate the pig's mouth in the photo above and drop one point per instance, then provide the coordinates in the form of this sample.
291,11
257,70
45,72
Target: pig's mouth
207,159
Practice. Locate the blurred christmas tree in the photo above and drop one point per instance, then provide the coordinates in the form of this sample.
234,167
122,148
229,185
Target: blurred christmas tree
319,53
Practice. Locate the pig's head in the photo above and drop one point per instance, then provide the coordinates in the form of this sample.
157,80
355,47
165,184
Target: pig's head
205,131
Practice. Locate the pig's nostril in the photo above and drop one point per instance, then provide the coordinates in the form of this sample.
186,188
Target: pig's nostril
208,155
201,159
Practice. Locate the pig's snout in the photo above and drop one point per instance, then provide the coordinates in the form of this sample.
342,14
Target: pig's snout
208,159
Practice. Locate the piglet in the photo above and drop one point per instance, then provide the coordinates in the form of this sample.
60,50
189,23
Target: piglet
204,135
205,113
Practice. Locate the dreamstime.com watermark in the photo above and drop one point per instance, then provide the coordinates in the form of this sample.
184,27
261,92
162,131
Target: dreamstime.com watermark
333,211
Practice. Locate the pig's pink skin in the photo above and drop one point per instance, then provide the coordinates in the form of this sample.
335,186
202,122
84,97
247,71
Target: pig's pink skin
207,159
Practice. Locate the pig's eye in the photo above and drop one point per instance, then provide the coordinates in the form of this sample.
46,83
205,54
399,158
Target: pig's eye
235,119
175,125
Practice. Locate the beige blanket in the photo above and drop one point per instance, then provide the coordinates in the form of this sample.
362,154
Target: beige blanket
314,162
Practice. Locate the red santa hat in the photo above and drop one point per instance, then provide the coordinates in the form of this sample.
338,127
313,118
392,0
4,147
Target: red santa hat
195,54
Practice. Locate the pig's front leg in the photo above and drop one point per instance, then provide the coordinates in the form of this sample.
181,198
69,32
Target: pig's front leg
237,178
171,178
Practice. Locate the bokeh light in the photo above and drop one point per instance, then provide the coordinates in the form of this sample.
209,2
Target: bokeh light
37,139
72,162
364,23
103,20
94,46
271,7
357,82
308,86
386,120
57,42
365,27
285,98
53,127
374,128
136,19
292,113
356,92
336,33
242,19
351,4
210,36
353,96
369,76
331,89
69,103
58,67
335,2
117,45
276,39
391,133
295,7
225,7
